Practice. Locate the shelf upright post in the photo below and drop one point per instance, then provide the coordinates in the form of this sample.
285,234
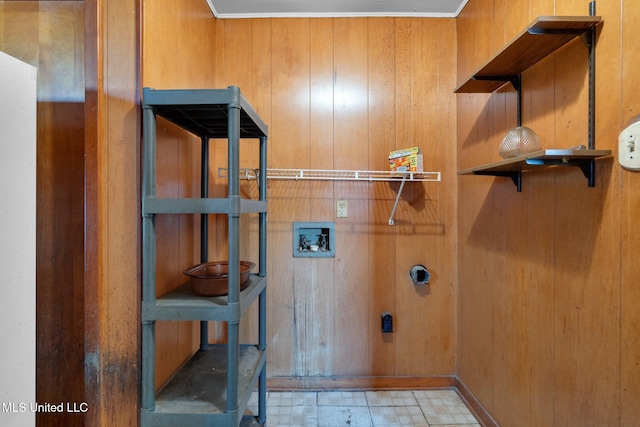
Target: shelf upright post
517,84
592,80
233,342
262,250
148,258
592,96
204,228
262,302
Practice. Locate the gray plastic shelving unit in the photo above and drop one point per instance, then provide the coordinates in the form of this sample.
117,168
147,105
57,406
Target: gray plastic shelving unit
214,386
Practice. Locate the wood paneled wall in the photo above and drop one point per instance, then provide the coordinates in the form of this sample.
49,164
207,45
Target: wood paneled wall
548,318
336,94
87,203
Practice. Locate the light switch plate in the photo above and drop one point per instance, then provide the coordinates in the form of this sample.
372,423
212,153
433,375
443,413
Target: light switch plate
629,147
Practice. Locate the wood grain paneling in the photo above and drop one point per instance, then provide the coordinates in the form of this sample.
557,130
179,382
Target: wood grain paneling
342,93
112,213
352,295
382,71
544,283
629,214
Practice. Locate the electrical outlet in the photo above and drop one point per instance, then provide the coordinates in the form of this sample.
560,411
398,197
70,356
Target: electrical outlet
341,209
387,322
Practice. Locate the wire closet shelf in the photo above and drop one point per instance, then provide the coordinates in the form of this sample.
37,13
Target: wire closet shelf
341,175
335,175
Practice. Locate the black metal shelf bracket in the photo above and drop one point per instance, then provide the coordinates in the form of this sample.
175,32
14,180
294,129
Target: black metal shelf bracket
587,166
516,176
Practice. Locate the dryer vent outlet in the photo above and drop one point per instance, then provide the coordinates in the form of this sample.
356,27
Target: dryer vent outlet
419,274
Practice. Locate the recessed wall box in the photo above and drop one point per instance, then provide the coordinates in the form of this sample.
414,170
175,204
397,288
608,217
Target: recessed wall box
314,239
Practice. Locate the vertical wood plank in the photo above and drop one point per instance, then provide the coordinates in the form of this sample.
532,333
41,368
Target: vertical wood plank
320,314
111,204
403,132
444,211
352,292
630,236
290,128
381,241
424,319
538,101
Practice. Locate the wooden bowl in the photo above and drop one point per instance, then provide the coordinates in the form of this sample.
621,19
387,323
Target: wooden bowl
210,279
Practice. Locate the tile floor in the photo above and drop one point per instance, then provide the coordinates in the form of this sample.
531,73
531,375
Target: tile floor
442,408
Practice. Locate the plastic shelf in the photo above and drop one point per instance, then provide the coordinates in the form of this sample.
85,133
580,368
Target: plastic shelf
213,388
182,304
153,205
196,395
204,112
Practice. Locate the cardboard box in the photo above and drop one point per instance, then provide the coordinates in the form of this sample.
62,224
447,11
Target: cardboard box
406,160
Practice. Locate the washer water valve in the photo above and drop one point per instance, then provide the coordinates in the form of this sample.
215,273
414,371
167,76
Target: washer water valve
419,274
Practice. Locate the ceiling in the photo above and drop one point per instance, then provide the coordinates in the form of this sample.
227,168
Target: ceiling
335,8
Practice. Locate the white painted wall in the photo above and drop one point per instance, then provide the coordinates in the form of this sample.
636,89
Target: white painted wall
17,242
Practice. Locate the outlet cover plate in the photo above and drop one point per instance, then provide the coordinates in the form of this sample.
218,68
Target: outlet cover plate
341,209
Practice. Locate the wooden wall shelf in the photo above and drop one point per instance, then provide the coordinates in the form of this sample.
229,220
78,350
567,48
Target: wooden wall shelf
513,168
540,39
